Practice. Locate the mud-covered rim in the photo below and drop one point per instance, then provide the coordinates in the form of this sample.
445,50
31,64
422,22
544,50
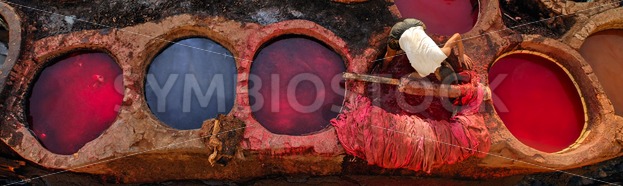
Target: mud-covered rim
256,41
597,134
308,33
15,41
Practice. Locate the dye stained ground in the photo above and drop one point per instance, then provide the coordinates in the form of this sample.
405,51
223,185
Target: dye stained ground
354,23
524,16
609,171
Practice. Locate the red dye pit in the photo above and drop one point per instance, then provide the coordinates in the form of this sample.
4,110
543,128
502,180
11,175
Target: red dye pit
602,51
394,130
74,100
537,101
444,17
294,73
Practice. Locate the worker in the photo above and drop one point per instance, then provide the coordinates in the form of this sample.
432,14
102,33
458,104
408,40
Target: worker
424,54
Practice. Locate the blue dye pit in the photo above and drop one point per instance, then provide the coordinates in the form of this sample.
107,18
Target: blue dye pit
191,81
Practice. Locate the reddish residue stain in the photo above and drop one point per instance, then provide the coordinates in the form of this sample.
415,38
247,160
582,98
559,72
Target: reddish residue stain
74,101
287,58
603,52
443,17
537,101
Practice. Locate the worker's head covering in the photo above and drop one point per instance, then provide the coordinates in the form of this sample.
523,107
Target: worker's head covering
399,28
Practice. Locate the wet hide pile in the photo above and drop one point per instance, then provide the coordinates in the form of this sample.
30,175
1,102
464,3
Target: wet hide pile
412,141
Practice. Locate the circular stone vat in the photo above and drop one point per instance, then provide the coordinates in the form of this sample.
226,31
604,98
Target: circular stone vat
602,51
444,17
191,81
537,101
291,88
74,100
10,41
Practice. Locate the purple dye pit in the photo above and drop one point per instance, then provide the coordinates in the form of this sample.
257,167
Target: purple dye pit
284,59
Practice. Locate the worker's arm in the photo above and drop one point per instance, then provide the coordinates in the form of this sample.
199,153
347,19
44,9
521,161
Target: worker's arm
453,41
456,40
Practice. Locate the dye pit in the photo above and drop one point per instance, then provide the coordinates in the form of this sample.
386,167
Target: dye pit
603,51
392,129
186,86
443,17
293,75
527,79
74,100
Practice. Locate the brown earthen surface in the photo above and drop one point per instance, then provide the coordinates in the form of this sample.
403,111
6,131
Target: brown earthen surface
138,135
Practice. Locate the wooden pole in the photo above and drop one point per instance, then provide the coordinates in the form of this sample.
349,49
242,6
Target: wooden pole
371,78
419,88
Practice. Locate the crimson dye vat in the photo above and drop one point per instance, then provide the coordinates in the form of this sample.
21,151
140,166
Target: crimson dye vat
291,88
74,100
602,51
537,101
444,17
191,81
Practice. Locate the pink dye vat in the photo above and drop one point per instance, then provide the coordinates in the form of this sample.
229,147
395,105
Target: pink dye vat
294,73
74,100
537,101
444,17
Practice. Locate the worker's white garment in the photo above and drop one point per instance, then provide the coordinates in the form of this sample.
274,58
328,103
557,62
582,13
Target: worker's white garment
423,53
